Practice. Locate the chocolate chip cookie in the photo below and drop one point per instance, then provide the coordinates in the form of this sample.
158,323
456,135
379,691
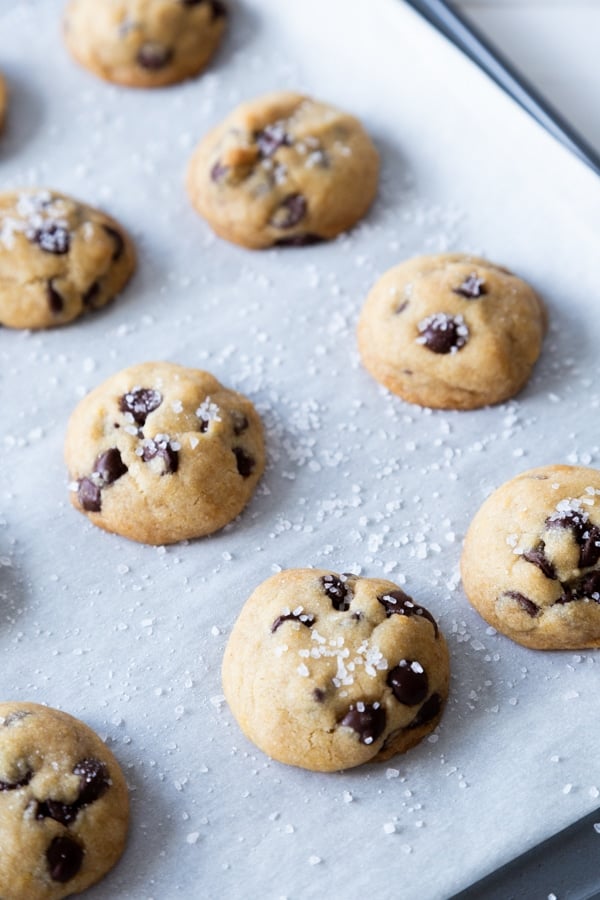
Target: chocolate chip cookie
64,805
328,671
58,259
144,43
451,331
160,453
283,169
531,560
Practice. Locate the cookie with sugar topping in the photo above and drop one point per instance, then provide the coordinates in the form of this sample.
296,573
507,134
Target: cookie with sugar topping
64,806
59,258
160,453
144,43
283,169
451,331
3,100
531,559
328,671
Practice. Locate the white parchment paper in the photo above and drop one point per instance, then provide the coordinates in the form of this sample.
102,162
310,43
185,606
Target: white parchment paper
130,638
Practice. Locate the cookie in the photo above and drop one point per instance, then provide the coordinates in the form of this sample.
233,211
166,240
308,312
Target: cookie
160,453
283,169
531,559
64,805
3,100
58,259
144,43
328,671
451,331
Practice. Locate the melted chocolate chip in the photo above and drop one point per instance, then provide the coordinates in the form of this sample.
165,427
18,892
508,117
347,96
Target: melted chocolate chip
89,495
154,56
319,695
585,587
368,720
471,288
270,139
119,242
219,10
240,422
65,813
586,535
299,240
64,857
52,238
442,333
303,618
590,547
428,712
408,681
140,402
91,295
13,785
400,603
538,558
110,466
338,592
289,212
15,716
55,301
162,449
94,780
218,172
531,608
245,463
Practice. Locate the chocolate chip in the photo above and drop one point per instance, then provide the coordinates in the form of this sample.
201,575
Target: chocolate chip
219,10
299,240
65,813
110,466
303,618
442,333
89,495
408,681
319,695
368,720
94,780
13,785
55,301
218,172
531,608
338,592
160,446
245,462
585,587
154,56
119,242
289,212
428,712
590,547
91,295
52,238
472,287
586,535
64,857
397,602
140,402
270,139
401,308
538,558
240,422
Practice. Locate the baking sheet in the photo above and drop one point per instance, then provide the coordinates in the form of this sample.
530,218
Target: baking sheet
130,638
